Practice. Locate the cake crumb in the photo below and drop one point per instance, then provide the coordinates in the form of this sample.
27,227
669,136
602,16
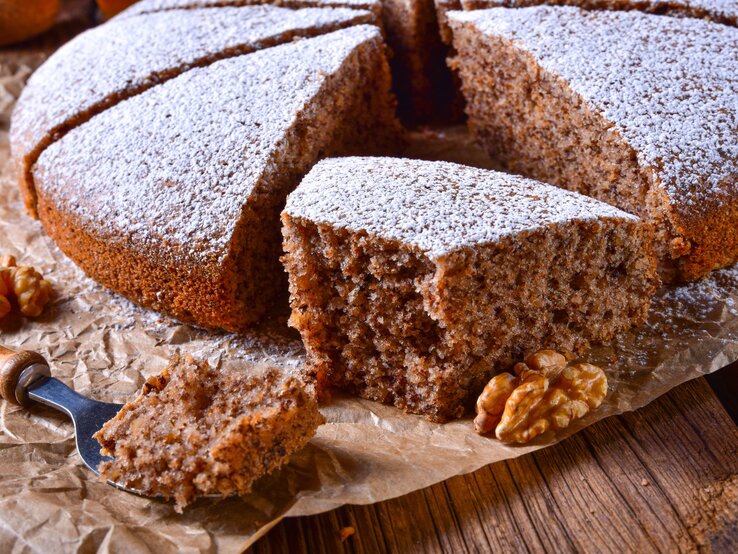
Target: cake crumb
195,430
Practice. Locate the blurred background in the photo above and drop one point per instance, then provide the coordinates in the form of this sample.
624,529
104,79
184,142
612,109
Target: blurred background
23,20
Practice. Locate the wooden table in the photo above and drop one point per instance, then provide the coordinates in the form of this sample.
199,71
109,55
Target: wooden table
661,479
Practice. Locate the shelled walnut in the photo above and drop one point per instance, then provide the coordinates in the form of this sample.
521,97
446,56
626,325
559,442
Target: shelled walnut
31,290
545,393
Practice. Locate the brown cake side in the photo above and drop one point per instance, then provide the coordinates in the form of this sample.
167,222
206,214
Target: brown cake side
195,430
172,198
555,94
412,283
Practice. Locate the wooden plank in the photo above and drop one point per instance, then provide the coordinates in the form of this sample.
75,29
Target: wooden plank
664,478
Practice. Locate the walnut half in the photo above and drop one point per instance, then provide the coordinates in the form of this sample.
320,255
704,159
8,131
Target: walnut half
31,290
545,393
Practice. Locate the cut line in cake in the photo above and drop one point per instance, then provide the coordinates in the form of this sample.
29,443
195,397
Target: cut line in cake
419,73
125,57
182,185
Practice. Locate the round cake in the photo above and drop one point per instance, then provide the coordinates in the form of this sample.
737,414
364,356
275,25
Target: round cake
159,148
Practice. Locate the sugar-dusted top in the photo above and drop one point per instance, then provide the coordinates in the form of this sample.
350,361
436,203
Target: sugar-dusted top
669,85
723,11
125,56
151,6
170,170
437,207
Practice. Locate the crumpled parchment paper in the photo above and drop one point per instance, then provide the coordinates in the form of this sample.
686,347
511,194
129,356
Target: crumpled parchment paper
104,346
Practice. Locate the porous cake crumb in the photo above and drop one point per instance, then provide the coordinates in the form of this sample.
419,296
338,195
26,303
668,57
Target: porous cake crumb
413,282
195,430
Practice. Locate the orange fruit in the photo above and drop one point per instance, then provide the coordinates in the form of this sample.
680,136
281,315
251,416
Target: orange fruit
111,7
23,19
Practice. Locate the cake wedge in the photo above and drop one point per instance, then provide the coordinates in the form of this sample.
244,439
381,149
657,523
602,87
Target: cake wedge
413,282
601,103
127,56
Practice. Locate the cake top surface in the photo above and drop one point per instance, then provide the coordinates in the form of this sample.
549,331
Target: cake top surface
722,9
131,54
149,6
173,167
669,85
437,207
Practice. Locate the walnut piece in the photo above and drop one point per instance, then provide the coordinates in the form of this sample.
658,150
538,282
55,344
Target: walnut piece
31,290
545,393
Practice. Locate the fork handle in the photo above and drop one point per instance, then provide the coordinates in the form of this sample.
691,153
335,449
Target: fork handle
18,371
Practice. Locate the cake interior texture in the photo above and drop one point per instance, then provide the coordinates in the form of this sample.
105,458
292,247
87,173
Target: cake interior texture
195,430
528,117
387,320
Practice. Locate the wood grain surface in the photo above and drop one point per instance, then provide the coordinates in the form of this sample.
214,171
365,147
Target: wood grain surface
662,479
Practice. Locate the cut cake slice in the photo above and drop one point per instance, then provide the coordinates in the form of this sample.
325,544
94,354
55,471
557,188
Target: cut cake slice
124,57
413,282
637,110
195,430
172,197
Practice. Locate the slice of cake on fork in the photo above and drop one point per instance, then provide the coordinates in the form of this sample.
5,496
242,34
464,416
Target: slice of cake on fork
413,282
197,430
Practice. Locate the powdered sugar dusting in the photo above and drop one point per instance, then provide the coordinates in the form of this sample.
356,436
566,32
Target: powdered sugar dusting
151,6
669,85
124,56
435,206
723,11
171,169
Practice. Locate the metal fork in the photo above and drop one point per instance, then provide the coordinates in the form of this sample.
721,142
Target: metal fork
25,378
